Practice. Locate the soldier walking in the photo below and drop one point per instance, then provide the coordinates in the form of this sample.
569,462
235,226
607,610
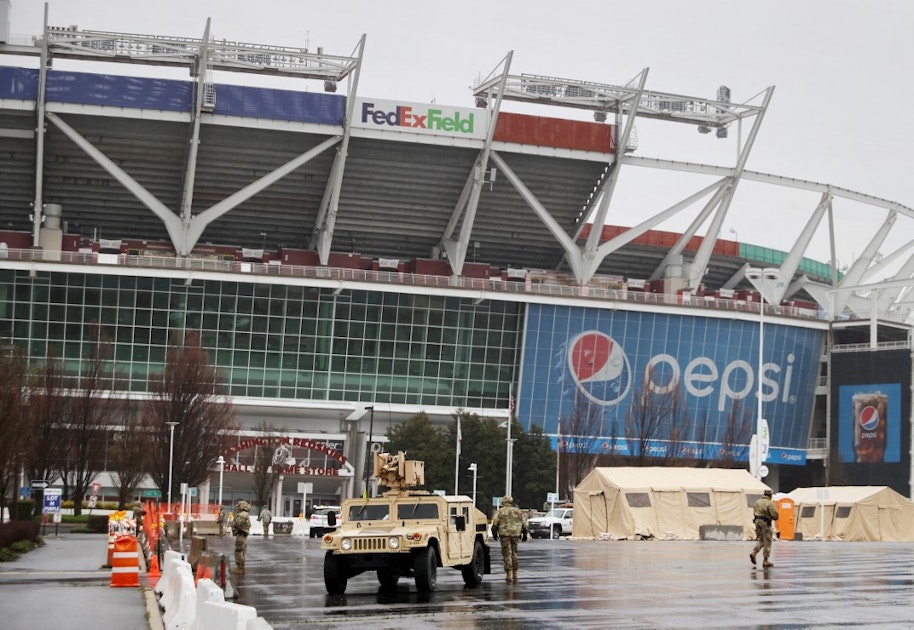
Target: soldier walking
765,512
265,517
509,524
241,526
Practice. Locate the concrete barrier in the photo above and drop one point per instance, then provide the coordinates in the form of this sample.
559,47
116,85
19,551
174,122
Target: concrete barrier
206,528
190,607
182,604
167,585
207,591
720,532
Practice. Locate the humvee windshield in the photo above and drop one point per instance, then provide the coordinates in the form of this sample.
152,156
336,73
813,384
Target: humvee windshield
369,512
408,511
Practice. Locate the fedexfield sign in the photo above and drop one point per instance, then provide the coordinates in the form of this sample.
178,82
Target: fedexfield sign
420,118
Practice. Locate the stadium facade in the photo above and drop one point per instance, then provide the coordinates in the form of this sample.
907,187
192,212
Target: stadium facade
349,262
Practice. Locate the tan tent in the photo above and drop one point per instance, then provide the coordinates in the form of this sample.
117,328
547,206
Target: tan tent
853,513
663,502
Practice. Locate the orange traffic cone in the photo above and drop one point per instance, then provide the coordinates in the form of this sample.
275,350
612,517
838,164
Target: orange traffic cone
153,570
203,573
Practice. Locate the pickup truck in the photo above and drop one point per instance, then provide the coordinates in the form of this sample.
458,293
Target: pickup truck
556,522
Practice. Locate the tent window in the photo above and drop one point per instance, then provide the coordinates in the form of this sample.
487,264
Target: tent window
808,511
698,499
638,499
843,511
751,499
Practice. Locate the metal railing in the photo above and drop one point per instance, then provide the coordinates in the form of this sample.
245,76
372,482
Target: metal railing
817,444
863,347
538,286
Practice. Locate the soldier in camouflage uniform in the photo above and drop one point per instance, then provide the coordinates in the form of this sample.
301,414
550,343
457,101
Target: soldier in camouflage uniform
241,526
509,524
764,512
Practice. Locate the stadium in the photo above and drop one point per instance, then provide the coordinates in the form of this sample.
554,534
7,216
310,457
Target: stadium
351,261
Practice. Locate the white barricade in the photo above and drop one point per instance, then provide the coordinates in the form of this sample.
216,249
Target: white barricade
180,612
256,528
202,607
167,585
207,591
226,616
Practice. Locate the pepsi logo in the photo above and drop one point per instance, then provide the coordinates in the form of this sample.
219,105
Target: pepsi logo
869,418
599,367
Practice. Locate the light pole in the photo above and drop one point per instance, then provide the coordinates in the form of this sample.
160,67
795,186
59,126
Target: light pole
771,288
368,453
221,462
472,467
171,457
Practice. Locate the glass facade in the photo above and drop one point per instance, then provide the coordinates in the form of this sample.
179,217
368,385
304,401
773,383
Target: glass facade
276,341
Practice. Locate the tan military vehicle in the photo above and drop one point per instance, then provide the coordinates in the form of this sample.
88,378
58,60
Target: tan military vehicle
406,533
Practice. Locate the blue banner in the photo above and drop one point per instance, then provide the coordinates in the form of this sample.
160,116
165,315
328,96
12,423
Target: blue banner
171,95
667,385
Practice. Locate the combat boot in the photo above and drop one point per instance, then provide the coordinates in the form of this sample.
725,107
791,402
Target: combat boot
509,576
752,557
767,563
514,576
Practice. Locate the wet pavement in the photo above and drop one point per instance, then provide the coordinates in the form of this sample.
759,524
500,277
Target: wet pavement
65,585
595,584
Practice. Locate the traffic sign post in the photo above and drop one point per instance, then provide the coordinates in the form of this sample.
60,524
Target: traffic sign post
51,505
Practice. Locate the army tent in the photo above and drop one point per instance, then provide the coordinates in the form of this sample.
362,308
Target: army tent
853,513
663,502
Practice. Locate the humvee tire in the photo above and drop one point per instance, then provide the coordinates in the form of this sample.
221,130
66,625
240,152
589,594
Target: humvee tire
473,572
335,577
425,568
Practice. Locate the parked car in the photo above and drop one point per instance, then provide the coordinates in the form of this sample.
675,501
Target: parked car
318,525
556,522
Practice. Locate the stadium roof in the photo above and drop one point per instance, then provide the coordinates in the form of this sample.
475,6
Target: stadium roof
197,161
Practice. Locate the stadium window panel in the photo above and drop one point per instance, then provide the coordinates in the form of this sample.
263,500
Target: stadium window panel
156,355
122,352
38,348
39,331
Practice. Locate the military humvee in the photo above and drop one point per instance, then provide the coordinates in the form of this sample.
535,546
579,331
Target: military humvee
406,533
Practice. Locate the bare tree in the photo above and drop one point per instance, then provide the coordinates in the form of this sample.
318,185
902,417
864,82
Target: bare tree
48,404
734,447
654,422
268,462
189,393
13,422
129,455
89,407
576,446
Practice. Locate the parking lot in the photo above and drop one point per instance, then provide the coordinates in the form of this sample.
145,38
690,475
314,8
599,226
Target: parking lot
596,584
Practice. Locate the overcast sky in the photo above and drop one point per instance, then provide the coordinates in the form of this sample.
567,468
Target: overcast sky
840,113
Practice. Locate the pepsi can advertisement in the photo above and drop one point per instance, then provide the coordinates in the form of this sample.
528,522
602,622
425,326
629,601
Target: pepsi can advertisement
615,362
870,430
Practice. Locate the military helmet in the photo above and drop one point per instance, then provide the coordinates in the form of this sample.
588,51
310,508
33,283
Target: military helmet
506,500
767,492
244,505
